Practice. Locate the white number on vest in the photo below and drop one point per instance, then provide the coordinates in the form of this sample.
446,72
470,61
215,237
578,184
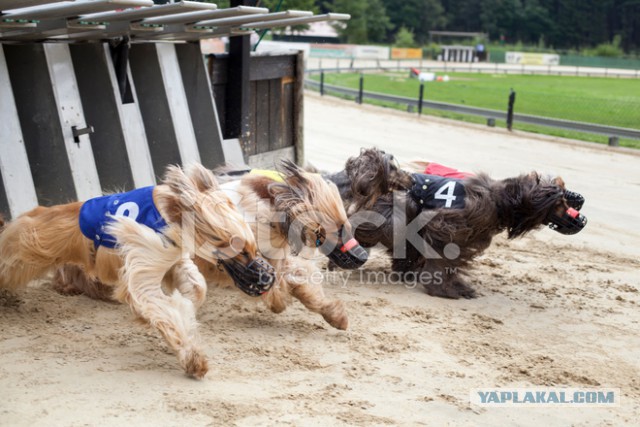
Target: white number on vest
446,193
128,209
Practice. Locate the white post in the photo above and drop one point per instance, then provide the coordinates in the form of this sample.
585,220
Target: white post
133,130
172,78
14,163
65,90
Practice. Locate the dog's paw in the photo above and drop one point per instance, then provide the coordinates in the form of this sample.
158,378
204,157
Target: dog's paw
455,290
336,315
464,290
66,289
195,364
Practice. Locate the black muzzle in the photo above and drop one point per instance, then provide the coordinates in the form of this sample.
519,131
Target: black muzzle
254,279
574,200
348,256
570,222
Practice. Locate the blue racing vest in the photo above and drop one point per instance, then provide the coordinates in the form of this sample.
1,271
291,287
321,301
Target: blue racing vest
97,213
435,192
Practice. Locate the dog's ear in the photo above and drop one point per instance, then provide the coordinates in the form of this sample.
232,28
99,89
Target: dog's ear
374,173
292,173
559,182
528,201
181,185
180,196
202,177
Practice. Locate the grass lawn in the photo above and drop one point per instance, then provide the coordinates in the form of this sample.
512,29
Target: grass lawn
607,101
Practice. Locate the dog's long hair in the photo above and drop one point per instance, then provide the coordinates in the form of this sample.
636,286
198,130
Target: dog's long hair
47,238
290,217
517,205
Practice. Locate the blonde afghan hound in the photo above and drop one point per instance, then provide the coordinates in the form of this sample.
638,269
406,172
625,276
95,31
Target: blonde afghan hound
136,242
295,215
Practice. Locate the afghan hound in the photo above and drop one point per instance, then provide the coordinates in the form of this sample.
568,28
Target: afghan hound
293,216
140,243
447,221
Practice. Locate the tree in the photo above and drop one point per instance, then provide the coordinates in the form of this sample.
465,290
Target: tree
419,16
369,21
378,23
404,38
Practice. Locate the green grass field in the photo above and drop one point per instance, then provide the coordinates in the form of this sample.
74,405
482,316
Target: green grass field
608,101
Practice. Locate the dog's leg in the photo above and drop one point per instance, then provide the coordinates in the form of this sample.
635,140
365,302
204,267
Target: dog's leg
189,281
73,280
146,260
32,244
447,283
312,296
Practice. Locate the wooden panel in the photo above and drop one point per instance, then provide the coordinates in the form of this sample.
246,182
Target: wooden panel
101,112
173,82
19,194
201,108
5,211
275,115
238,115
249,144
40,124
273,120
154,106
220,96
262,67
218,69
298,109
271,158
272,67
263,107
287,114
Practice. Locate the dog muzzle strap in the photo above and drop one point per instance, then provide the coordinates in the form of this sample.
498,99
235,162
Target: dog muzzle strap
349,256
352,243
570,222
254,279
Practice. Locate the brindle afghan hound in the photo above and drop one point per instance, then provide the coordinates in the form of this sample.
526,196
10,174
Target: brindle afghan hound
137,242
450,221
292,214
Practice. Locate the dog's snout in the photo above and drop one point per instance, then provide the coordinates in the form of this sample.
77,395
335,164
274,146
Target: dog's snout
574,200
254,278
349,255
570,222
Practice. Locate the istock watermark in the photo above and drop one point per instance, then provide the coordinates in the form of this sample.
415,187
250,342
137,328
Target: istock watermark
545,397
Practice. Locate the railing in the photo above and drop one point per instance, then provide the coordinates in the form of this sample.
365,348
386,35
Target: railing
611,131
347,64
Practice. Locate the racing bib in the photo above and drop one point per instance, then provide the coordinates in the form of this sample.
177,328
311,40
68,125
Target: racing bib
95,214
436,192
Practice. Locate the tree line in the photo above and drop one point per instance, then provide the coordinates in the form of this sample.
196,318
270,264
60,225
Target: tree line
558,24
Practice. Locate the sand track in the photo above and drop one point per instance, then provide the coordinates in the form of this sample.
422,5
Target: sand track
553,311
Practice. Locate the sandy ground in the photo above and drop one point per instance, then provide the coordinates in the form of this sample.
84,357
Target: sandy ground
553,311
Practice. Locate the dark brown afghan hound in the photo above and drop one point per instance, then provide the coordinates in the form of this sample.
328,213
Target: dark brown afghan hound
434,227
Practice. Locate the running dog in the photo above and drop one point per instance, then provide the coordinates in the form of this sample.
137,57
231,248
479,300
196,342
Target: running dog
292,213
139,242
448,221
